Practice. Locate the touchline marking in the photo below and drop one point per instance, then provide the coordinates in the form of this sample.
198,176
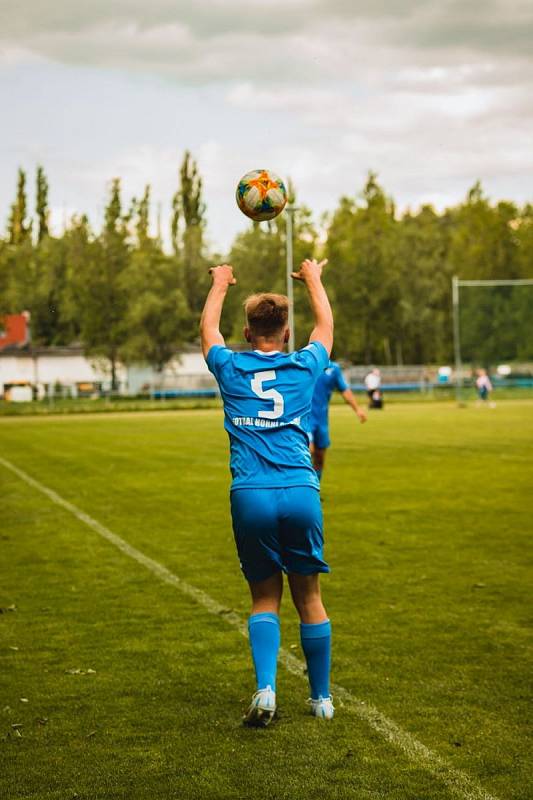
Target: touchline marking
457,781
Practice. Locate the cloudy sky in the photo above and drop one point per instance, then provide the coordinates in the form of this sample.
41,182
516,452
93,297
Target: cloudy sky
431,95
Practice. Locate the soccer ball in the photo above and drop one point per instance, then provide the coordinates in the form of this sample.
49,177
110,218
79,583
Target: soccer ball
261,195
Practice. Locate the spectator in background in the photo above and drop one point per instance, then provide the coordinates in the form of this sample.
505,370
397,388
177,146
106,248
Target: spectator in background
484,386
373,388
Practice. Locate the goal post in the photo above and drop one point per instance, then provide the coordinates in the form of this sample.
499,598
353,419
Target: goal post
457,285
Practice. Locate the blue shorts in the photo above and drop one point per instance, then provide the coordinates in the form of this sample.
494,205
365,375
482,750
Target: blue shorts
319,435
278,529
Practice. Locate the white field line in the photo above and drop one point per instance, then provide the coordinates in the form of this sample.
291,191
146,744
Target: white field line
457,781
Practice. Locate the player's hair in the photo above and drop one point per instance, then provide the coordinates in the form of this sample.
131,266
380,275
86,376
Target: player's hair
266,314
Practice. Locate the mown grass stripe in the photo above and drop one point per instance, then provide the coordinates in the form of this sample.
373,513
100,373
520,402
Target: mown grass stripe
457,781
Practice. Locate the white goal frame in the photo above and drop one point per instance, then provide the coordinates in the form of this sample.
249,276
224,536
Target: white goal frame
456,285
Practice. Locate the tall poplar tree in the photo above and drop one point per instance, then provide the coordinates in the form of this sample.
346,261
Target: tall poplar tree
19,226
81,249
41,206
187,233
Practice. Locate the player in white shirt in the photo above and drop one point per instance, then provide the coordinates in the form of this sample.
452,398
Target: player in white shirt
373,384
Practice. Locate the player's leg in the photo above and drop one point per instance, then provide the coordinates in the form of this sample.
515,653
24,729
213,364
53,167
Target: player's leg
264,629
315,637
266,594
321,442
302,542
255,527
307,599
264,636
319,457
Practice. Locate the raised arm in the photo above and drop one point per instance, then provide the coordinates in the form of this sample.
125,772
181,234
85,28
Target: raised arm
210,320
311,274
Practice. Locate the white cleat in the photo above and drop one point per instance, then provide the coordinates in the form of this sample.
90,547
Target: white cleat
262,708
322,708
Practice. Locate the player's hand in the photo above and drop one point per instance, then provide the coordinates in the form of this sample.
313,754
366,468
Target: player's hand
361,414
309,269
223,275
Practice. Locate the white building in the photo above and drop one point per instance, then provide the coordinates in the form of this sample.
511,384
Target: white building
66,371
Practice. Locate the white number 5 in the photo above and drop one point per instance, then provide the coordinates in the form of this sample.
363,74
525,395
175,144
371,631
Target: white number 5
268,394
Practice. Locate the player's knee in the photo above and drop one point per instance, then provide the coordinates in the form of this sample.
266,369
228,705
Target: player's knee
266,605
311,609
307,602
306,597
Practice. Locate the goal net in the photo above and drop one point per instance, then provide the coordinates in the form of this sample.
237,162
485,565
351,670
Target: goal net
493,329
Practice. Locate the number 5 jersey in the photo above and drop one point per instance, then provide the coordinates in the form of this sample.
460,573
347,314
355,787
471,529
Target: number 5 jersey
267,406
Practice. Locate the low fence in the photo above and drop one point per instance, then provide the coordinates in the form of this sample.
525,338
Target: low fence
393,379
405,379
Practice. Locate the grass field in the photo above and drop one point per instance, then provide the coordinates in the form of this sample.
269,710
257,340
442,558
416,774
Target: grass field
115,684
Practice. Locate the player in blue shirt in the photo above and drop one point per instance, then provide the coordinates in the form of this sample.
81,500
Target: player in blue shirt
275,501
331,379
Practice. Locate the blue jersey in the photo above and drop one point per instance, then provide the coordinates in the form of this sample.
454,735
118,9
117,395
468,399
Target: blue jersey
331,379
267,407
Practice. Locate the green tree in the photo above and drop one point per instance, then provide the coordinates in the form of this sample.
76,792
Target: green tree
4,278
49,325
20,277
389,277
157,317
187,233
41,206
37,273
421,320
19,226
522,226
485,244
81,250
361,251
103,299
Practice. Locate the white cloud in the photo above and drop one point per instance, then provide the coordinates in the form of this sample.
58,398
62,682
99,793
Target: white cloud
282,40
432,96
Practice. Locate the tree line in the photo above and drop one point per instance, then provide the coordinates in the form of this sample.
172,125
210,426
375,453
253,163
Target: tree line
127,298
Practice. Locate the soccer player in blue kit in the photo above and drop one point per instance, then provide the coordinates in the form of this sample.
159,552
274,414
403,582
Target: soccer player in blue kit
331,379
275,500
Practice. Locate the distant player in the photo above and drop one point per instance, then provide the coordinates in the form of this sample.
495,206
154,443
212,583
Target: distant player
484,386
275,501
331,379
373,388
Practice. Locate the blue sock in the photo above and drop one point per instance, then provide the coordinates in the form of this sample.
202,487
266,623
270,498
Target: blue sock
316,644
264,633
